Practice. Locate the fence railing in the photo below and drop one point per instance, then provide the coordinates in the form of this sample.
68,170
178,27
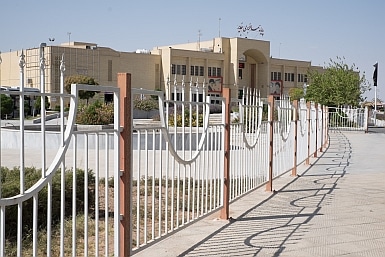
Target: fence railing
62,196
200,156
142,180
347,118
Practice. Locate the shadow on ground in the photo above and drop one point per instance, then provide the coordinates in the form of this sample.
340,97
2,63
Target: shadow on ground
278,223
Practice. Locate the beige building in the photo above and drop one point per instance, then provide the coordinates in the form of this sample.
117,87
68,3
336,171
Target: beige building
220,63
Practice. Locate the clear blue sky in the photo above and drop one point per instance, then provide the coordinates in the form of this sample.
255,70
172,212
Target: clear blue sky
297,29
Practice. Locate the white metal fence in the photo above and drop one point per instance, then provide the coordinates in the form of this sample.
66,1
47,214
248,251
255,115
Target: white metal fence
197,155
348,118
179,161
66,204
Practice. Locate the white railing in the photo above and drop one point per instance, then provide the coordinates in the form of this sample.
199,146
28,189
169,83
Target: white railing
348,118
283,138
179,168
249,136
124,187
66,202
177,163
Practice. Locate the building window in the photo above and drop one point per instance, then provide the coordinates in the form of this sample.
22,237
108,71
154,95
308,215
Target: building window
178,69
192,70
196,70
214,72
275,75
219,72
240,73
201,71
302,78
289,77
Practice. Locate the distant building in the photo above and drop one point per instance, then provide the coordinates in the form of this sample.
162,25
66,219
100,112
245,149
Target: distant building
222,63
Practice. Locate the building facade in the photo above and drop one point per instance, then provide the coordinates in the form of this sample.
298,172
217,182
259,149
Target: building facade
220,63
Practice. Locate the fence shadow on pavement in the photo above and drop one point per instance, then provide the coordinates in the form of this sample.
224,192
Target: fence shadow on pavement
279,222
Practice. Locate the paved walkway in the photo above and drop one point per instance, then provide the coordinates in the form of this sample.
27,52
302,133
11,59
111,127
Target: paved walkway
335,207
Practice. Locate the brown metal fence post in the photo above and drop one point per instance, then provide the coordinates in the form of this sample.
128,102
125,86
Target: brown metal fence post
308,132
316,130
269,185
226,192
295,118
124,84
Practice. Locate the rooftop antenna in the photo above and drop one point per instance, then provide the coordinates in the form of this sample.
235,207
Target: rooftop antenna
199,39
219,27
69,37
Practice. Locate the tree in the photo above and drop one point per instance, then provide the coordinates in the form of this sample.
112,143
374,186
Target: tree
296,93
81,79
6,104
37,104
338,85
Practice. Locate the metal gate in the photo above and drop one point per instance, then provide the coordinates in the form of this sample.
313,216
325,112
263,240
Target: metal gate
348,118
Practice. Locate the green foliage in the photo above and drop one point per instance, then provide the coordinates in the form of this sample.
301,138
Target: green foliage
96,113
340,84
80,79
147,104
10,180
38,103
6,105
296,93
184,119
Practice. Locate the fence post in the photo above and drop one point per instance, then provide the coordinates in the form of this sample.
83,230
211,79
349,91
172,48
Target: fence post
316,129
326,120
124,84
308,107
366,117
295,118
226,167
269,185
322,129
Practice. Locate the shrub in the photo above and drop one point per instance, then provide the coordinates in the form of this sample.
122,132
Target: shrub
184,120
96,113
146,104
10,180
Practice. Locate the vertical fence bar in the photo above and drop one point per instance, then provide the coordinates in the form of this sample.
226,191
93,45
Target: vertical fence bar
366,115
124,84
326,125
322,128
316,130
295,119
226,192
62,166
269,185
22,171
308,117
